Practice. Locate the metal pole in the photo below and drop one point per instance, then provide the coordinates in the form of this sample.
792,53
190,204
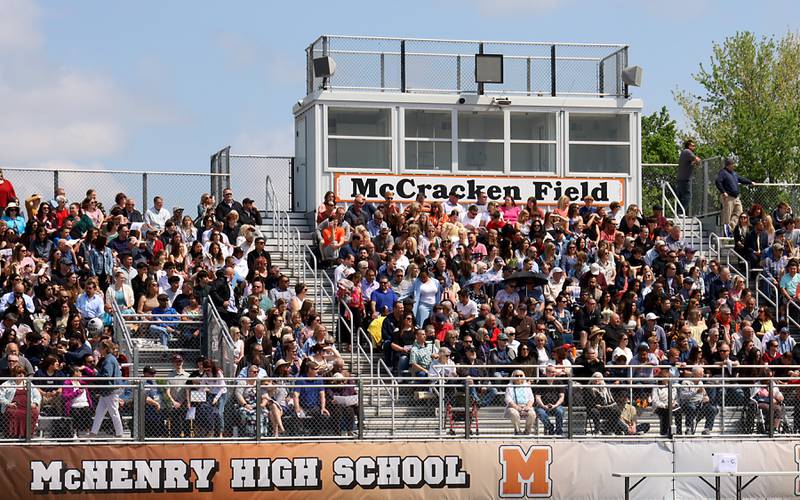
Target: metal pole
361,407
717,489
142,399
627,488
28,411
601,79
528,74
771,410
258,410
144,191
480,85
55,181
441,405
553,70
458,73
402,66
383,71
669,408
467,411
569,408
722,411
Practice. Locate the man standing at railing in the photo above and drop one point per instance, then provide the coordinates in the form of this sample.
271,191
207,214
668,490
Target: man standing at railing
728,185
686,163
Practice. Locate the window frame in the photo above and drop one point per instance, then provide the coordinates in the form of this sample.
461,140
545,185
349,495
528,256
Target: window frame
390,138
568,142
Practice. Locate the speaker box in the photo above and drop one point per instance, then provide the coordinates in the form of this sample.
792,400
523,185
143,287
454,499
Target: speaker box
632,75
324,67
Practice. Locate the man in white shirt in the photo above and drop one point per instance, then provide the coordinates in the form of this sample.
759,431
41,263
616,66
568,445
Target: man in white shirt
452,204
342,270
467,310
157,216
473,219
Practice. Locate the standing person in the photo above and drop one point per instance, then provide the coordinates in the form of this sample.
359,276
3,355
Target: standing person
7,193
109,400
727,183
686,163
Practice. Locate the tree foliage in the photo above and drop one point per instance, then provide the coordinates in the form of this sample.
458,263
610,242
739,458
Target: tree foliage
750,105
660,144
659,138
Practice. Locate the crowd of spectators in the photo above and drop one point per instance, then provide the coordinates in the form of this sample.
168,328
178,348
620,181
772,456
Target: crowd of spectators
65,264
609,290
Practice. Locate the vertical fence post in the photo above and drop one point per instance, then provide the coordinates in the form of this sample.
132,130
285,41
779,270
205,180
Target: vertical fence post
140,415
258,410
553,70
722,420
383,71
480,85
569,408
144,191
458,73
771,409
669,408
28,411
402,65
528,74
361,407
467,410
55,181
441,405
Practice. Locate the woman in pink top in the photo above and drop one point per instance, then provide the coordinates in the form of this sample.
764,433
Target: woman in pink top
510,210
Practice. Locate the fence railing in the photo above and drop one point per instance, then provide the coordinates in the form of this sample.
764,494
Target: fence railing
177,188
384,64
141,409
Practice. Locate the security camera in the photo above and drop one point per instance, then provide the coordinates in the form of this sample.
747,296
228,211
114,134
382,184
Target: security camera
300,103
501,101
461,100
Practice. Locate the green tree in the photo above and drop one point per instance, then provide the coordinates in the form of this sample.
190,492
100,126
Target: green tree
659,138
660,144
750,105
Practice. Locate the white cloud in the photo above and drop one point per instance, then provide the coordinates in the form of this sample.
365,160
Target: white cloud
52,112
17,20
278,141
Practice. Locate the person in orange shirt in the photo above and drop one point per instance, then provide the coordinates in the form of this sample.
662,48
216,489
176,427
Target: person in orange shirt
332,239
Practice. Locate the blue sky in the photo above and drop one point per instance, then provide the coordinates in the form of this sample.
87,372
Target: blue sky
161,85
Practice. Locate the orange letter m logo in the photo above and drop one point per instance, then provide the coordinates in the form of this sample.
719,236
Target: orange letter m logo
525,474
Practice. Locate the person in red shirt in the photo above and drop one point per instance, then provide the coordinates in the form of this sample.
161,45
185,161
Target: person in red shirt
7,193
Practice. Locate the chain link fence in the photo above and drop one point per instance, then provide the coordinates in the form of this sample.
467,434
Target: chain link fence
249,179
176,188
196,406
448,66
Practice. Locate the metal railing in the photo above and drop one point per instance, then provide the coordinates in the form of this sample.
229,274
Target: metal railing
385,64
213,408
769,292
734,269
692,227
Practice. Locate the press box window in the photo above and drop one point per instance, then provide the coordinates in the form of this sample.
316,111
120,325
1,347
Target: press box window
480,141
359,138
533,142
428,140
599,143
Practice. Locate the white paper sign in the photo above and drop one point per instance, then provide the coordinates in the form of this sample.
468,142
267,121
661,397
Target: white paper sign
725,462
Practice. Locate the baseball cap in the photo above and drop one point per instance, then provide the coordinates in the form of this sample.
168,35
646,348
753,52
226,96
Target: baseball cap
148,369
651,317
557,270
502,336
95,325
594,269
280,363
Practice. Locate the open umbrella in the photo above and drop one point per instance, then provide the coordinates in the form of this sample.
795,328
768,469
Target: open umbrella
526,277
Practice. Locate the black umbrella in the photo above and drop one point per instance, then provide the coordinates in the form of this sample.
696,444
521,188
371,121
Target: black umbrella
526,277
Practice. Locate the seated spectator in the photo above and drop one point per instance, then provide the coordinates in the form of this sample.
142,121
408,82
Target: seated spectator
549,396
519,402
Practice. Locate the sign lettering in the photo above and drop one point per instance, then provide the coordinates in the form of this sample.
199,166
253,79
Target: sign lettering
546,191
525,474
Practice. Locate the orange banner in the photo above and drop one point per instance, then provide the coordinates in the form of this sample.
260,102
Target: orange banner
401,470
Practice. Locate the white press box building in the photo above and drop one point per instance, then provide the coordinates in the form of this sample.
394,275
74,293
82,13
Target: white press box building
435,116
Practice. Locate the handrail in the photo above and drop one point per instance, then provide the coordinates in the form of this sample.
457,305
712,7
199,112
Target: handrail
365,339
350,327
746,274
382,385
791,304
715,250
125,343
224,337
770,286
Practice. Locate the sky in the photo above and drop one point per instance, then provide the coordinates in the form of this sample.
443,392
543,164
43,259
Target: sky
153,85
